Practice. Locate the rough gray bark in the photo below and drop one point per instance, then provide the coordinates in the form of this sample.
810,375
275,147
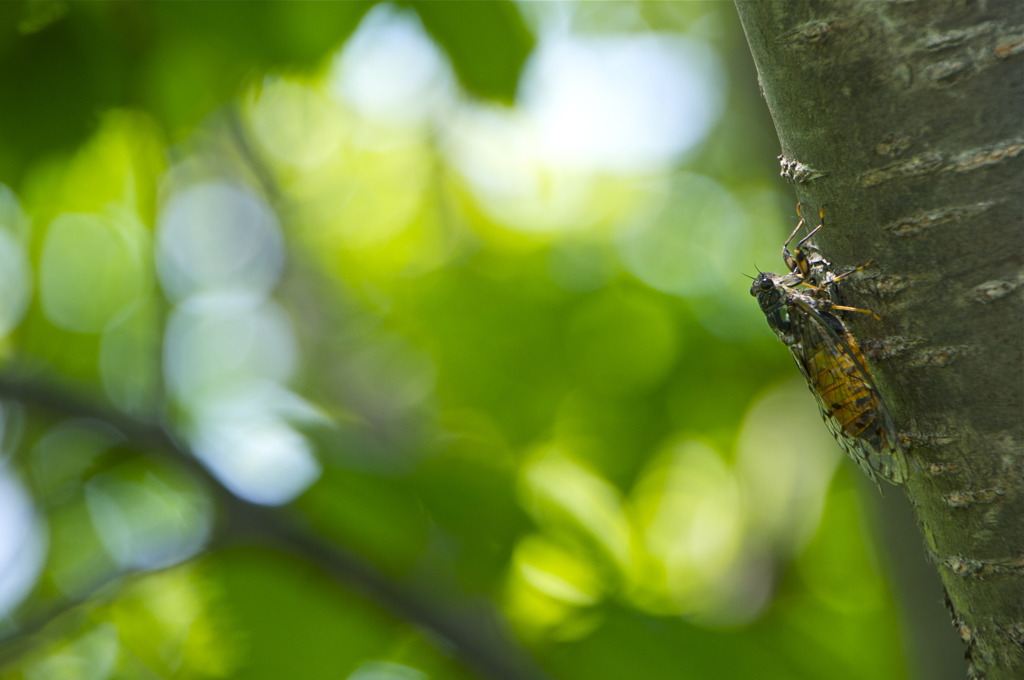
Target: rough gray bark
904,119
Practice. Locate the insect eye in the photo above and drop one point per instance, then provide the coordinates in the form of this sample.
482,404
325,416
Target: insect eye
761,284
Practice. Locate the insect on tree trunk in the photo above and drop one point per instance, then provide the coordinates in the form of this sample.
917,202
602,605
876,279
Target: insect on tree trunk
904,120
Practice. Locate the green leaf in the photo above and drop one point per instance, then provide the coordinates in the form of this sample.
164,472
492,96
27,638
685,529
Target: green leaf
487,42
178,60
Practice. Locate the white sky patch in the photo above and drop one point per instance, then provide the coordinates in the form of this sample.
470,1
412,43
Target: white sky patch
390,71
589,107
622,103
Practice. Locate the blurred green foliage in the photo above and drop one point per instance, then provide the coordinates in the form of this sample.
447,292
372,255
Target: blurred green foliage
499,377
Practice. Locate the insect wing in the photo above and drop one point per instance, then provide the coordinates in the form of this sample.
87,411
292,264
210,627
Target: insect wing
850,404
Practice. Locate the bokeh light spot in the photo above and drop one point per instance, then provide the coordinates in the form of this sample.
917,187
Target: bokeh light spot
22,542
561,492
92,655
91,270
296,124
15,281
687,504
15,270
695,244
218,344
258,457
785,459
217,235
147,522
551,589
386,670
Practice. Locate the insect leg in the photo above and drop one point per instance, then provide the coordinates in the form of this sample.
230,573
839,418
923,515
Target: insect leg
861,268
795,262
800,261
821,225
856,309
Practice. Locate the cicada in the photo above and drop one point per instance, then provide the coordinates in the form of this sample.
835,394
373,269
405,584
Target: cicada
799,308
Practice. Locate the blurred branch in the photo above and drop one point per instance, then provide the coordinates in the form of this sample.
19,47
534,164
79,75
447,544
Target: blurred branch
238,134
475,636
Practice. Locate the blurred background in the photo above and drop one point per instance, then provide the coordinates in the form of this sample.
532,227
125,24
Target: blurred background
460,284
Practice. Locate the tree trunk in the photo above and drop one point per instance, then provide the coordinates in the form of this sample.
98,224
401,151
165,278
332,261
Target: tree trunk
903,119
